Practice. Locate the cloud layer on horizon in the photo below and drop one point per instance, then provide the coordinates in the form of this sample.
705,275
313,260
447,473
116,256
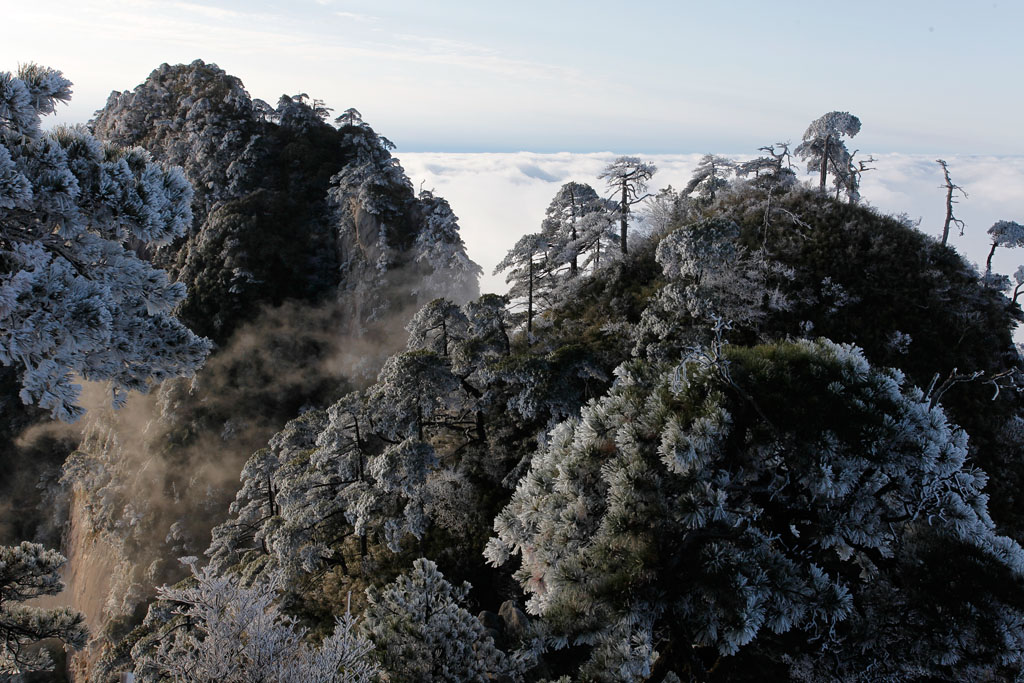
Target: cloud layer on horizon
501,196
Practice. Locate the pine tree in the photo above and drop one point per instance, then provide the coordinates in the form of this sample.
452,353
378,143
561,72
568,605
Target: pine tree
823,147
710,176
713,282
529,274
213,628
565,224
627,177
29,571
74,298
425,635
785,502
449,272
1007,234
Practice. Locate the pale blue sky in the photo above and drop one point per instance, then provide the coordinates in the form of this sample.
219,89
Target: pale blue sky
642,77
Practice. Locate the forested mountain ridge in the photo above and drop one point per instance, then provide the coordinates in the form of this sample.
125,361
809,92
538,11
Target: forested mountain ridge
286,206
777,436
303,250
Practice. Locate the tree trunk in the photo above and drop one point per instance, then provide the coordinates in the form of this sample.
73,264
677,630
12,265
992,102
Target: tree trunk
950,187
573,267
529,302
988,261
481,428
949,212
623,219
824,165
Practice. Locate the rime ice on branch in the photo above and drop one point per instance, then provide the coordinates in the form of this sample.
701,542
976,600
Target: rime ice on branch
74,298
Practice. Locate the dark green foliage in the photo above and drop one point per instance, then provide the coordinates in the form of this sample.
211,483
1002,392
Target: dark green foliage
867,279
783,501
884,277
262,249
601,311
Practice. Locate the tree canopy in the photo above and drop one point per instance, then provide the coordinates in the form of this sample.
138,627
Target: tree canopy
74,297
714,504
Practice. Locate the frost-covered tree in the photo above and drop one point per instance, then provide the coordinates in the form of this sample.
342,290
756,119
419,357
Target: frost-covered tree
627,177
299,111
529,274
213,628
1009,234
711,279
849,181
664,210
563,224
1018,283
775,164
424,633
331,482
449,271
29,571
284,508
823,145
411,390
488,326
786,503
710,176
415,392
349,117
73,297
439,327
598,238
374,180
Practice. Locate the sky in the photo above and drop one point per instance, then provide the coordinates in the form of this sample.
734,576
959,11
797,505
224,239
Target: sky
933,77
494,105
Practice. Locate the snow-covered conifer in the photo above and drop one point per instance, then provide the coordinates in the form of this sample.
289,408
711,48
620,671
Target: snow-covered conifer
564,221
529,274
29,571
411,388
711,277
214,628
787,500
710,177
823,146
437,327
663,210
374,180
450,272
627,177
1007,234
775,165
73,297
424,633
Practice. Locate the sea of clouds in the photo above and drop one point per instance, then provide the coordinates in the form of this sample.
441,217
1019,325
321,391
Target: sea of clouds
499,197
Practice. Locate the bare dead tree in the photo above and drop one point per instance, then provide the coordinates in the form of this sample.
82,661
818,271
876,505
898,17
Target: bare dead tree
781,157
951,189
851,178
